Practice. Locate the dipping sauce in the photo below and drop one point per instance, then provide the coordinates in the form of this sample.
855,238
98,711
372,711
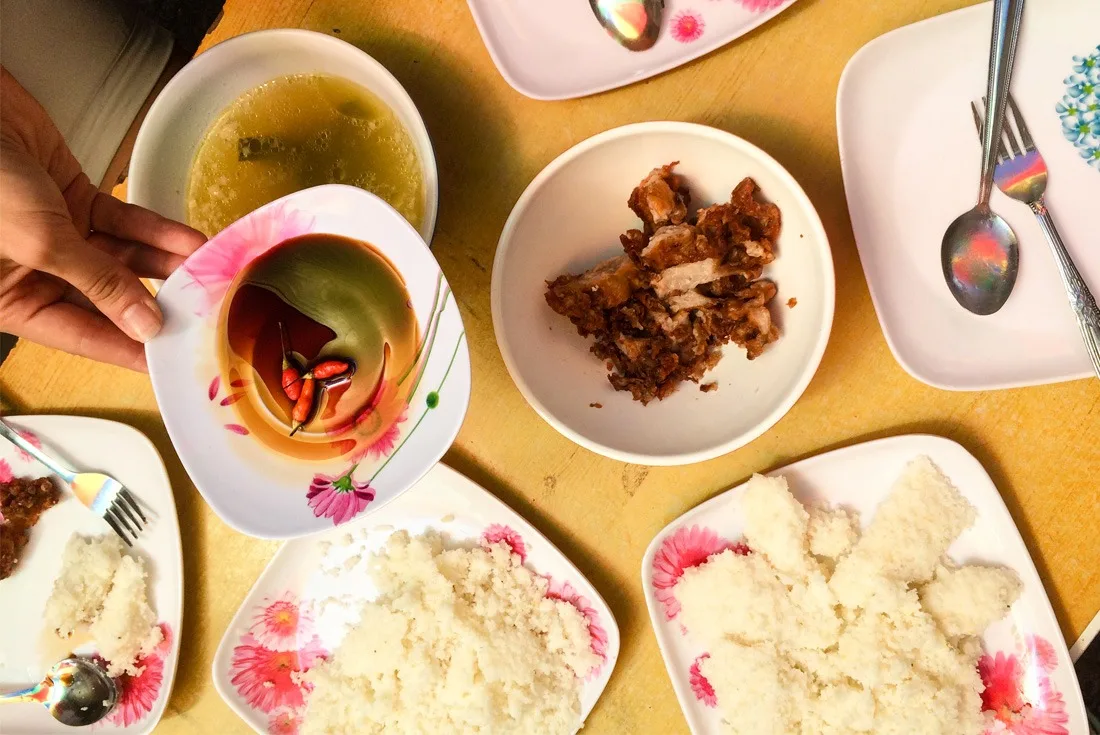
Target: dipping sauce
335,299
296,132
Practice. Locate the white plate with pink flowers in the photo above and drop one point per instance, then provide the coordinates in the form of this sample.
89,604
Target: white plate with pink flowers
26,650
302,605
552,51
1030,684
333,285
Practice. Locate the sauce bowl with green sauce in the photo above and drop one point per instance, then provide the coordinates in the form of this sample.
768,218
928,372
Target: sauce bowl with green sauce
268,113
313,364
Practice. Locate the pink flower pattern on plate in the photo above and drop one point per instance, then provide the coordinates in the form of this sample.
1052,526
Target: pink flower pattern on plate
1042,652
138,694
687,26
384,445
32,439
285,721
686,548
214,266
268,679
566,592
499,534
759,6
1009,685
282,623
6,475
339,498
704,692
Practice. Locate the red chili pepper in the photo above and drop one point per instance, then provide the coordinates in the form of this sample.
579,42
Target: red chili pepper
303,407
329,369
292,381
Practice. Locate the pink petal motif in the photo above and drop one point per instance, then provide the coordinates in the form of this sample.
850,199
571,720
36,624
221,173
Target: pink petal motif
1042,651
759,6
285,721
1004,679
239,383
704,692
1001,676
6,475
686,548
215,384
232,398
237,429
687,26
281,624
268,679
214,266
340,499
384,445
498,534
138,694
565,592
32,439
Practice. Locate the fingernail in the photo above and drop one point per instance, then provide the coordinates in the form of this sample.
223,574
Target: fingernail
142,320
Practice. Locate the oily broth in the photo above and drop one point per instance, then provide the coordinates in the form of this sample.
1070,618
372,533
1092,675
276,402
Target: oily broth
318,129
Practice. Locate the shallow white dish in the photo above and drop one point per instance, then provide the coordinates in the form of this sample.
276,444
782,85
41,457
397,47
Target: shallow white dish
305,575
252,488
559,50
178,119
570,218
859,478
123,452
910,157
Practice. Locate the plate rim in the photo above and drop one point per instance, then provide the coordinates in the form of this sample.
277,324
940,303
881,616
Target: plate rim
1044,608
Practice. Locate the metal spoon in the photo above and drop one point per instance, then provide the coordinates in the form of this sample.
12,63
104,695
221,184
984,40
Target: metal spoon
76,691
980,255
633,23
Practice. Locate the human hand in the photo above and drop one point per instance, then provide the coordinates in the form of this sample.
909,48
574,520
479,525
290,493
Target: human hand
70,255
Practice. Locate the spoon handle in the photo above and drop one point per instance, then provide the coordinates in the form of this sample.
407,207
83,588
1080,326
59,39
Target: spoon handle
1080,298
1007,15
35,693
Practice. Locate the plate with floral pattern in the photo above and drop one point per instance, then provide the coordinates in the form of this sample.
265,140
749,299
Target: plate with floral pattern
1030,684
327,279
910,157
552,51
27,650
304,602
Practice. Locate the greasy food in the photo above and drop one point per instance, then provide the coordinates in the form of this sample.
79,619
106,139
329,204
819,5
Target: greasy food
22,502
661,312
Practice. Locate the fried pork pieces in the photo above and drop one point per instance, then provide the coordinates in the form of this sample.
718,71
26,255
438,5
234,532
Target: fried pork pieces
660,313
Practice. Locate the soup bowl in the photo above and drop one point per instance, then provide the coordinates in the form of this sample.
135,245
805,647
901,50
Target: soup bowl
179,118
211,410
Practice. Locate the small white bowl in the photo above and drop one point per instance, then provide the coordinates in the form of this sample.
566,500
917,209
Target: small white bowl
570,218
170,135
252,488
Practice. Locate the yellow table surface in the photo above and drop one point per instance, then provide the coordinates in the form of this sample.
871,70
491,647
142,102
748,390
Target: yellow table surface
775,87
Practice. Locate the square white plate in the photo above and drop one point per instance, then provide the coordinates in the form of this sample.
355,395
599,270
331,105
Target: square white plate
559,50
124,453
859,478
322,581
910,156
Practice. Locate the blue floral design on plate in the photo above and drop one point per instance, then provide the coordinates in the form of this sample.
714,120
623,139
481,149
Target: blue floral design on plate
1079,109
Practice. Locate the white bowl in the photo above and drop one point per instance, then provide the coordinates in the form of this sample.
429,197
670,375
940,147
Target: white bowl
252,488
570,218
178,119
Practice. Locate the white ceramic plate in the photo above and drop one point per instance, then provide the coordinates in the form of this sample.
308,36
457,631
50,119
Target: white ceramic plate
552,51
859,478
910,157
570,218
252,488
322,582
178,119
124,453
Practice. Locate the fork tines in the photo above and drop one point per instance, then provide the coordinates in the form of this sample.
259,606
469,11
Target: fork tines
125,513
1014,128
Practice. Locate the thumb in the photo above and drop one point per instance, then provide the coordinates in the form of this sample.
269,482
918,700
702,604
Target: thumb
111,287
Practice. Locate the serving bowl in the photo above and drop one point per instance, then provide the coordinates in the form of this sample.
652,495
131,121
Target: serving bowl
178,119
272,494
570,218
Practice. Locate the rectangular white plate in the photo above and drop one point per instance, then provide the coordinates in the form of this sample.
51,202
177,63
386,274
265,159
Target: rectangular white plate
326,577
910,156
126,454
859,478
558,50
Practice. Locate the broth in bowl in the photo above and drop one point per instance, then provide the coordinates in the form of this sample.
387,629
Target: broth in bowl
296,132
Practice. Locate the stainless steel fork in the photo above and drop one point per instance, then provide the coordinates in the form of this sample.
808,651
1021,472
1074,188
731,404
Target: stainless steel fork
1021,173
103,495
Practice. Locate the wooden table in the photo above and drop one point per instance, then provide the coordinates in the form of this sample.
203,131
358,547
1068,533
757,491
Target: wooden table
775,87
